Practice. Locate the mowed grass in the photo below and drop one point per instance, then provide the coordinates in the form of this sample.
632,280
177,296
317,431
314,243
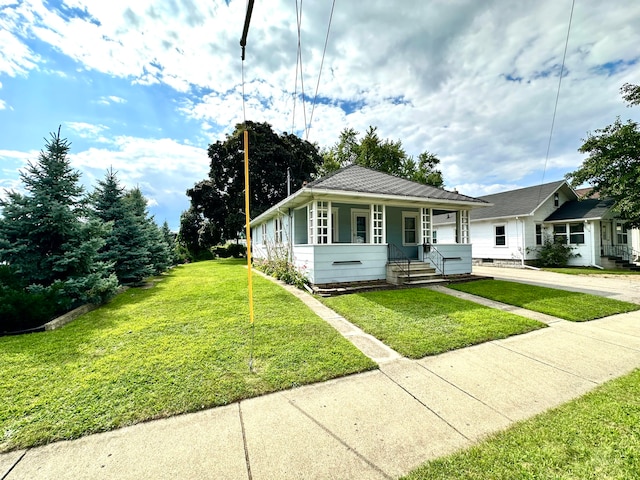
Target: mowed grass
181,346
589,271
574,306
596,436
419,322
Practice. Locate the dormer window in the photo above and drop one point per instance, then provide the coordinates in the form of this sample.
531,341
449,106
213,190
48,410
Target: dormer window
556,199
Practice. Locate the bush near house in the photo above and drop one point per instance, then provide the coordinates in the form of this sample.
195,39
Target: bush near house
554,252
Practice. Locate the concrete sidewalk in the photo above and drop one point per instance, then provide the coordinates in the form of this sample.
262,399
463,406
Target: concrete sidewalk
379,424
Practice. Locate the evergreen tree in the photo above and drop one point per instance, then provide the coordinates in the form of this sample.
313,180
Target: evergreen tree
170,240
46,237
126,246
152,235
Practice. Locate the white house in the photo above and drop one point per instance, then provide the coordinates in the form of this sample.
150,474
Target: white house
350,225
510,231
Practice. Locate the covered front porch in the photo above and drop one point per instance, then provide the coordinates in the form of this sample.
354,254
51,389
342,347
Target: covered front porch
345,242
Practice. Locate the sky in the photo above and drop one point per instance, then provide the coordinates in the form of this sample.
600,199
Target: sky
144,87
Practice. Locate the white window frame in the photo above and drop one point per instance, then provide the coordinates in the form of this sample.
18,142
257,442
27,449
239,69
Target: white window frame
581,232
263,233
539,237
495,235
416,218
277,224
335,225
359,212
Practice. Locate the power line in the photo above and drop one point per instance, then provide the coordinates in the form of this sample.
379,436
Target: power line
555,108
299,65
324,51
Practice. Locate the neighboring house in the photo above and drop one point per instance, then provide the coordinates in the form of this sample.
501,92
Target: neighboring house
510,231
348,226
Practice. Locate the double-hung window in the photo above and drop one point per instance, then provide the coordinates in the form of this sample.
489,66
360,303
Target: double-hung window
500,232
576,233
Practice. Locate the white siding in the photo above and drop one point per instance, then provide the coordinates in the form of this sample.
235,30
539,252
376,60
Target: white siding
457,257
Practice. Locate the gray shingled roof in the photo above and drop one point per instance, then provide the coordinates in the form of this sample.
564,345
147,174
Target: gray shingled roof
522,201
581,209
355,178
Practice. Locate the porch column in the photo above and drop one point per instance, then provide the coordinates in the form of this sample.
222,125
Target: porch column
376,216
462,226
425,225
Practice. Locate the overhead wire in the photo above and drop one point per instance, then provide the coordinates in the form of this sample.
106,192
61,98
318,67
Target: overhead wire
324,51
299,67
555,107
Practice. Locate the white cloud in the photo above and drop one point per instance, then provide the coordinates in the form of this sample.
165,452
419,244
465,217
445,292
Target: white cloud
473,82
87,130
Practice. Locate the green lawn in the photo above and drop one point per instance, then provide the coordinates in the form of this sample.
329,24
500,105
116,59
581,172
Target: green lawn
596,436
574,306
589,271
181,346
419,322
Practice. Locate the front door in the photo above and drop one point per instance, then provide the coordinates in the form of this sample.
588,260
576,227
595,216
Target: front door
360,226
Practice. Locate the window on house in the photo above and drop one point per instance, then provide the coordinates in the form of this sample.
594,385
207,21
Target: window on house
500,235
360,226
434,236
263,233
410,228
576,233
560,233
538,234
621,234
278,228
335,231
556,199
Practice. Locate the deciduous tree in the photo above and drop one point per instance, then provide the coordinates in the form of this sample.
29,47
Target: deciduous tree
383,155
217,203
612,167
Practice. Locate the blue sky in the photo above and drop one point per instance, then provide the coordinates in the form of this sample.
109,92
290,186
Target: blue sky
144,87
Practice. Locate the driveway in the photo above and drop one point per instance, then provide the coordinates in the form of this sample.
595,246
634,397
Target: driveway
620,287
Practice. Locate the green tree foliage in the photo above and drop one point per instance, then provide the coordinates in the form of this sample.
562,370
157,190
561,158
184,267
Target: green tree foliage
159,255
382,155
47,236
126,245
217,203
170,240
612,167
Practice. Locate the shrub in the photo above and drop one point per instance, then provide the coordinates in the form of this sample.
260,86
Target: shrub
237,250
277,265
555,252
22,310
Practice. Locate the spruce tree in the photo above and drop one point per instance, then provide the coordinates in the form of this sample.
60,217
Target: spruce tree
159,255
126,246
170,240
46,237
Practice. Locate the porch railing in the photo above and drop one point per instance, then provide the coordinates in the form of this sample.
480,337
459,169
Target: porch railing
397,257
435,257
621,251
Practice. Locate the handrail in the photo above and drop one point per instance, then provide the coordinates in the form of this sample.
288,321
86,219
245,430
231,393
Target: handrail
435,257
621,251
396,256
